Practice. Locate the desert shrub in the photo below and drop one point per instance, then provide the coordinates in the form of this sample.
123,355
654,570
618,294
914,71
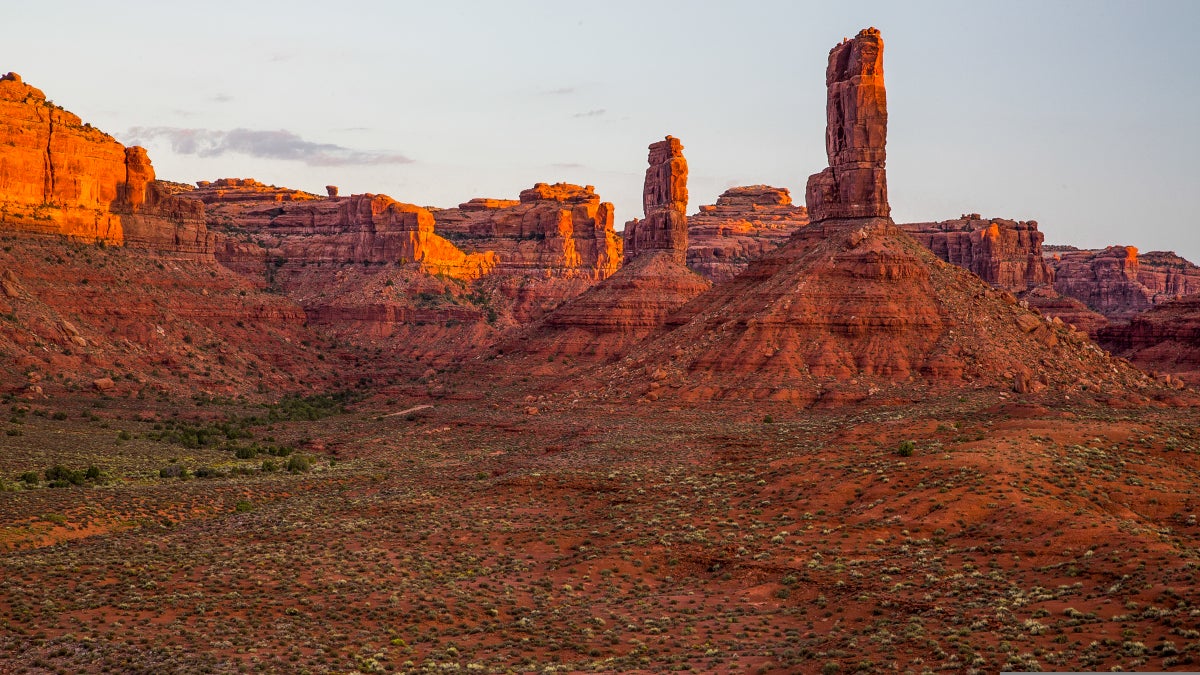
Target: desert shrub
30,478
61,474
906,448
124,435
172,471
246,452
208,472
92,473
299,464
768,420
269,466
243,507
60,415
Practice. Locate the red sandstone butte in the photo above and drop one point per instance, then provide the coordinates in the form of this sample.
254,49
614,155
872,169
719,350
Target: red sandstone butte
1118,282
744,224
60,176
1164,339
303,227
664,201
854,185
553,231
1005,253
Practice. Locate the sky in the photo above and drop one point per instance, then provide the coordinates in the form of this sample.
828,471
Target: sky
1083,116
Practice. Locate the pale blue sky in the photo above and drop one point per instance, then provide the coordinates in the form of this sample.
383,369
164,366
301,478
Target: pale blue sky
1080,115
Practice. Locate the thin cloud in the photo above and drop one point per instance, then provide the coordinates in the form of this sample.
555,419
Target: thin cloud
567,165
222,98
281,144
561,91
591,113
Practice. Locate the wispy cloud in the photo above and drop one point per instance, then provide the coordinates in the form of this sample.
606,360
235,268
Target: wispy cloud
561,91
591,113
566,165
222,98
280,144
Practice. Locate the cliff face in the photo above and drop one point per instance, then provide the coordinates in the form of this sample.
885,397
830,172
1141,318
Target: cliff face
1118,282
553,231
745,224
1005,253
59,176
1164,339
302,227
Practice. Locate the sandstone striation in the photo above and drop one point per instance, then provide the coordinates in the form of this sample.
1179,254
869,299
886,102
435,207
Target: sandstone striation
1118,282
854,185
1005,253
553,231
291,225
664,200
744,224
60,176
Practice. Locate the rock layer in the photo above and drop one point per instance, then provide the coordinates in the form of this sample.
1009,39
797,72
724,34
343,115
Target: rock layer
1118,282
744,224
60,176
1005,253
854,185
552,231
664,203
1164,339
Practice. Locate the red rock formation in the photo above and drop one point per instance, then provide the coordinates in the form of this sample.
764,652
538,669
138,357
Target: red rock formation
1005,253
302,227
744,224
1164,339
554,231
603,322
854,185
664,202
852,307
59,176
1068,310
1119,283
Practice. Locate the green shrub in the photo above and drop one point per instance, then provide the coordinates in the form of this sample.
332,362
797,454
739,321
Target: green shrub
246,452
768,420
269,466
30,478
906,448
298,464
243,507
61,474
60,415
92,473
208,472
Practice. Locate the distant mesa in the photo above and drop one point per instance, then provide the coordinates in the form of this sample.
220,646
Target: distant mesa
1118,282
1005,253
746,223
555,230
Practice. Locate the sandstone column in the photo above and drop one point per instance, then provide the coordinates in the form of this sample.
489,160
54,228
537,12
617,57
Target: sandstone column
664,201
854,185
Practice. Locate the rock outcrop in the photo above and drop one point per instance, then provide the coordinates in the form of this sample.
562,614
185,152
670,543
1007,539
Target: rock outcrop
60,176
664,200
610,317
290,225
1005,253
552,231
854,185
1118,282
745,224
1164,339
852,307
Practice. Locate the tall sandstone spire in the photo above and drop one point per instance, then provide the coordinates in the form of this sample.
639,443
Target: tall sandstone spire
854,185
664,201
